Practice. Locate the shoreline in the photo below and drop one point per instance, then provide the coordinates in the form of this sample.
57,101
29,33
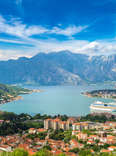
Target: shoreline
19,97
90,96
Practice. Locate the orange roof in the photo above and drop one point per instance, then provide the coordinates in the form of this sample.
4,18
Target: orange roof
32,129
105,150
114,147
24,146
31,151
74,141
4,146
76,123
56,120
48,119
92,151
111,137
90,142
41,130
93,136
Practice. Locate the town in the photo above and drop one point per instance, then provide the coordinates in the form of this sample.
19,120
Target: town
105,93
69,135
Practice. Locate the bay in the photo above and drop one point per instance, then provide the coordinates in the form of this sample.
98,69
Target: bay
55,100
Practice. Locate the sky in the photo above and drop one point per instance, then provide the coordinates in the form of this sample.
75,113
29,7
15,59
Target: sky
28,27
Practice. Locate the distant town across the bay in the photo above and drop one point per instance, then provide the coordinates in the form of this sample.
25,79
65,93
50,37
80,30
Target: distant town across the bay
104,93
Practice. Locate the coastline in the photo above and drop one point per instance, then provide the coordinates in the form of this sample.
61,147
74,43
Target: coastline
90,96
19,97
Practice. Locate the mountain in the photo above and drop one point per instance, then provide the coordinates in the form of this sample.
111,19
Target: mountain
61,68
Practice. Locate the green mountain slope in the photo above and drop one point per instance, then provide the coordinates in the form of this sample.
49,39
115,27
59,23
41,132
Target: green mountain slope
9,93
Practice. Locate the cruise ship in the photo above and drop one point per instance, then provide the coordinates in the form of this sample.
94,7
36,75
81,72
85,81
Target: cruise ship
99,106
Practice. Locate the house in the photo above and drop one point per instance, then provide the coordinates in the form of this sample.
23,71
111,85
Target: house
31,151
112,148
100,144
103,139
111,139
71,120
32,131
5,148
90,142
106,127
40,130
76,126
105,151
75,132
94,137
82,136
74,143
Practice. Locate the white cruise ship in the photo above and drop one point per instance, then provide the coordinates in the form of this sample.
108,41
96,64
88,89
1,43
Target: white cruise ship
99,106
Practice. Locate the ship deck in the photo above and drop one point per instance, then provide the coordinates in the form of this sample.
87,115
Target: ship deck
106,107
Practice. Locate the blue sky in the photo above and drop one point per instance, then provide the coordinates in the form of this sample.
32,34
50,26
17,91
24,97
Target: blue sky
28,27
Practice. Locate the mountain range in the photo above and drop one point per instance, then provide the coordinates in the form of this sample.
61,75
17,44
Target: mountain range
58,68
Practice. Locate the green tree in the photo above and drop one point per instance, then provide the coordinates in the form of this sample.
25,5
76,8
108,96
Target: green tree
62,154
74,150
19,152
43,152
85,153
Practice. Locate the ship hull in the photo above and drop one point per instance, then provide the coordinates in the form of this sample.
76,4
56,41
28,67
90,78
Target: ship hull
103,107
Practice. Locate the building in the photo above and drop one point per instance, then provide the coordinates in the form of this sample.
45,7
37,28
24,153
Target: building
82,136
83,125
56,124
48,123
32,131
64,125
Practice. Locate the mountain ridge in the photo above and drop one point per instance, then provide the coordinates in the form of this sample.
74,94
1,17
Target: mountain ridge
59,68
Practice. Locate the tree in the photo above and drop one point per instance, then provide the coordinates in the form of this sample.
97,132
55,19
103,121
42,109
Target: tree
47,147
74,150
43,152
5,154
85,153
20,152
62,154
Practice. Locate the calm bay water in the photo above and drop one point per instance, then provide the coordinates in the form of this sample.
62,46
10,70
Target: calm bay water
56,100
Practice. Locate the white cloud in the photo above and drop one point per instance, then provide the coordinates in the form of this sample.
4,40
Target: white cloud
99,48
34,30
12,54
16,28
24,33
13,41
77,46
52,45
69,31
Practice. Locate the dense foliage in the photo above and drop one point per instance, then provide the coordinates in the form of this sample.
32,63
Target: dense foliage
44,152
14,123
98,118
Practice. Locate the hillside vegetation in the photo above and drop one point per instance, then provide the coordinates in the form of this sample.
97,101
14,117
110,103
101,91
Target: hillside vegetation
9,93
44,152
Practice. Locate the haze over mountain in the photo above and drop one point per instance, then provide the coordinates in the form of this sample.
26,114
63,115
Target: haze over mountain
62,68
